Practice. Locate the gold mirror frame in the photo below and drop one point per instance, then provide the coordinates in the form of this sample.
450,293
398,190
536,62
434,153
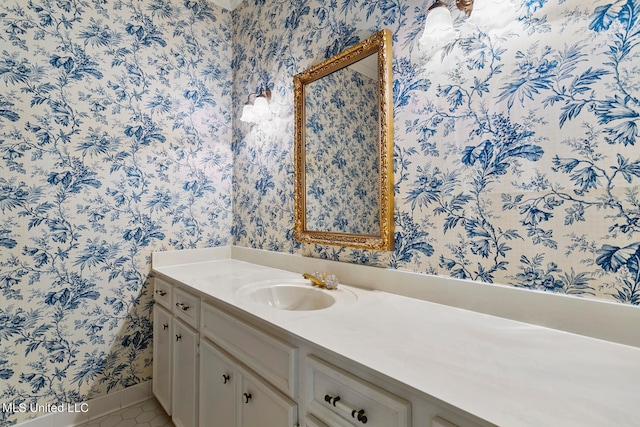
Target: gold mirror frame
380,44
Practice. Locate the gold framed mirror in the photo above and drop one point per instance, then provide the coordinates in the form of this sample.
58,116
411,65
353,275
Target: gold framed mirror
343,148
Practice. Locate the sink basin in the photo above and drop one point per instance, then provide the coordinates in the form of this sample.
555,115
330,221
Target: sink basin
293,295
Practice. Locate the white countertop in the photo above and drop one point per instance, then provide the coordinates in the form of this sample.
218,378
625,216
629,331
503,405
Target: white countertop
506,372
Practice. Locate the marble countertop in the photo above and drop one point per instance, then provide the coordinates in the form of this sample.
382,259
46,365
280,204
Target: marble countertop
506,372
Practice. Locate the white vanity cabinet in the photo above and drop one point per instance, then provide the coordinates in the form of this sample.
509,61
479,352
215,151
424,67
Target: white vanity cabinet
175,352
236,357
396,360
216,366
210,367
233,396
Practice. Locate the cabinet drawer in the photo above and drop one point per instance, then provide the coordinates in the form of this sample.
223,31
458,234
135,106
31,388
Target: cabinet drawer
162,292
441,422
186,307
311,421
341,399
268,356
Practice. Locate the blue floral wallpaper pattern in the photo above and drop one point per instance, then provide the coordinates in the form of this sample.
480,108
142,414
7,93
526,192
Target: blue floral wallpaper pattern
115,141
342,130
516,157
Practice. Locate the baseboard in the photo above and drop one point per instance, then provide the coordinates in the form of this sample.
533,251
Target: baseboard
80,413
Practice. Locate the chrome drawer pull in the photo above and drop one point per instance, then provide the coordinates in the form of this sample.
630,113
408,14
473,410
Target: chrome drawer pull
161,293
355,413
182,306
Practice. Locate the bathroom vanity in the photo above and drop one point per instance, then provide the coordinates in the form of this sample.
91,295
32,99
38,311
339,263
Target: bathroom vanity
234,347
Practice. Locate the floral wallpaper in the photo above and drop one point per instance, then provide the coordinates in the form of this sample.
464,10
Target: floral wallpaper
342,130
115,141
516,157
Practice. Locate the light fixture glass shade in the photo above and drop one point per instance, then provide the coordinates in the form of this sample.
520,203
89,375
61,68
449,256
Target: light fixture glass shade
248,114
438,29
489,14
261,109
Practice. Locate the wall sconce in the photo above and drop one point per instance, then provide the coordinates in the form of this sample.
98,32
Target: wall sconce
438,28
489,14
257,111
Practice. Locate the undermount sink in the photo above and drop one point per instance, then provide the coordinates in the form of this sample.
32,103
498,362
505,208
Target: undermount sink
293,295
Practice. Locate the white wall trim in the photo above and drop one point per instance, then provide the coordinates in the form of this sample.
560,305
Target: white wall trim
95,408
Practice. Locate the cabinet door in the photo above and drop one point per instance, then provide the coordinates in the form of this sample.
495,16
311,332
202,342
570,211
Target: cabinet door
162,349
262,405
217,387
185,375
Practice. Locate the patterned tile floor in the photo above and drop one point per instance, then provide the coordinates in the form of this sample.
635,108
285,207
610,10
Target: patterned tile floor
144,414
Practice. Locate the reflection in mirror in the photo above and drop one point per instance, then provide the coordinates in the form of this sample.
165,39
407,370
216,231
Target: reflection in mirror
343,149
341,162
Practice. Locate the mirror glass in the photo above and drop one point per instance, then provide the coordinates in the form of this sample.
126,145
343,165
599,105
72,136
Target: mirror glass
343,148
341,158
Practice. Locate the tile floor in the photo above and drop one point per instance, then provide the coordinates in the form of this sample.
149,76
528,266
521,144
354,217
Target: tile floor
148,413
